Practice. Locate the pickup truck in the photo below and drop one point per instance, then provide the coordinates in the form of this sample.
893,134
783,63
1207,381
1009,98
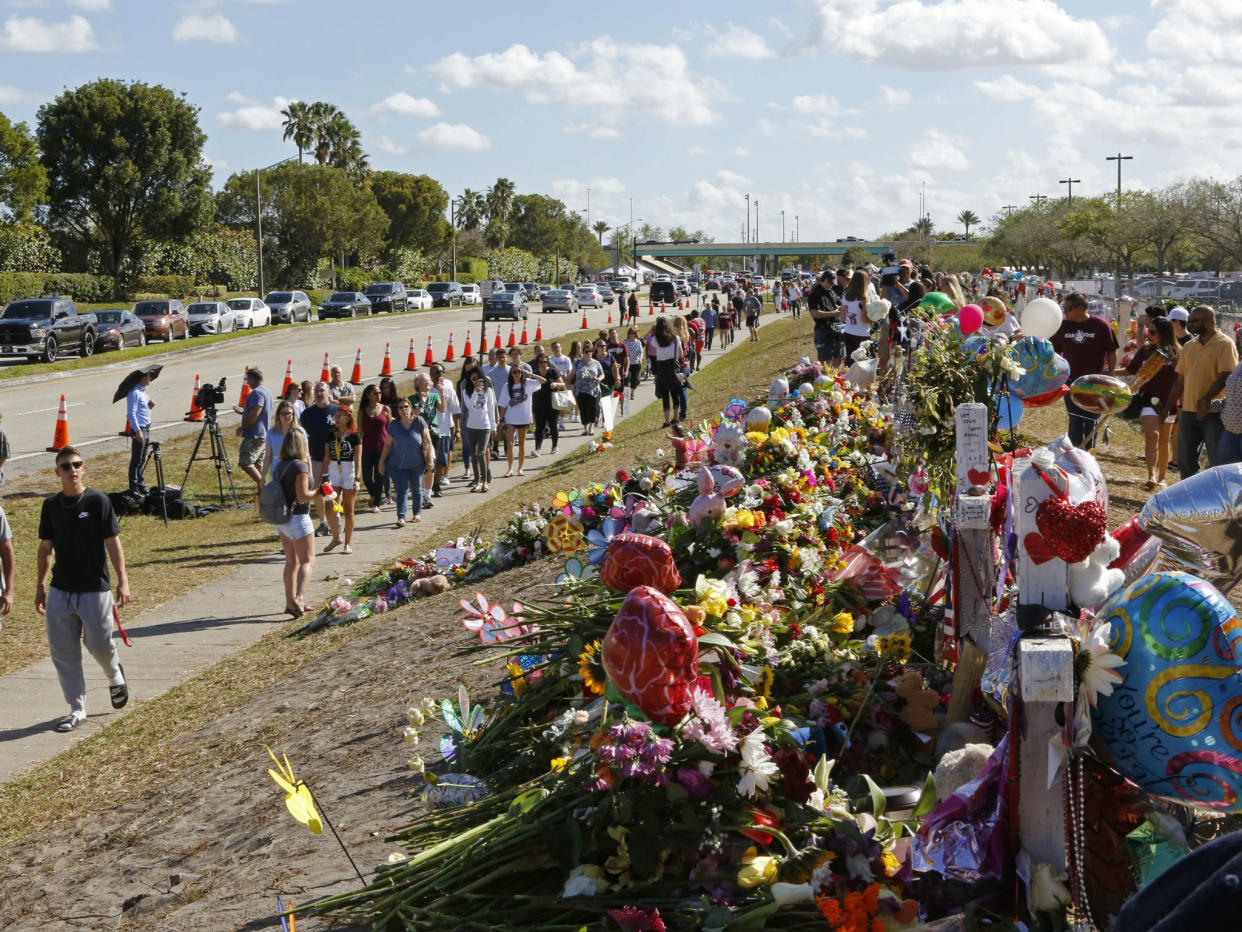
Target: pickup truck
42,328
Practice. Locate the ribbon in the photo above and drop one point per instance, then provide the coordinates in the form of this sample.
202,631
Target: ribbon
116,620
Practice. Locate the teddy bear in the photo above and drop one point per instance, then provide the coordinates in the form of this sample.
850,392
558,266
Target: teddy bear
1091,582
921,704
729,444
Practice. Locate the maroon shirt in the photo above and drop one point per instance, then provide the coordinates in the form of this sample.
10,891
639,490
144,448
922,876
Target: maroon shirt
1085,345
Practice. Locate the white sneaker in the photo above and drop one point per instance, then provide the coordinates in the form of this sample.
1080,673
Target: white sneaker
556,450
446,482
534,453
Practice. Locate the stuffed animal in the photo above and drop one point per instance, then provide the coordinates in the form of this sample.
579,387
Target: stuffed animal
709,507
921,703
778,392
729,480
729,444
646,521
1091,582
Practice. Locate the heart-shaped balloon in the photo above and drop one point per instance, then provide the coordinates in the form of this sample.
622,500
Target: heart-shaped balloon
651,655
1072,532
1037,548
635,560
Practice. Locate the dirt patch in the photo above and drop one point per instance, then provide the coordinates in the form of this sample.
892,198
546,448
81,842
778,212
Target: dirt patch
213,846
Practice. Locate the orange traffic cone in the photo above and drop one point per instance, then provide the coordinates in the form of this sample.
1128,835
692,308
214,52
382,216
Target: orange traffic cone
195,413
386,368
469,348
539,332
429,357
585,325
661,307
245,392
325,374
60,438
524,341
610,317
127,431
355,377
449,355
512,335
650,309
410,362
496,345
284,389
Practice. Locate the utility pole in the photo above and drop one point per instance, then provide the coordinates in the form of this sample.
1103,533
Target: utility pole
453,223
782,226
1009,209
746,225
258,212
1069,198
1118,158
797,235
588,217
1039,199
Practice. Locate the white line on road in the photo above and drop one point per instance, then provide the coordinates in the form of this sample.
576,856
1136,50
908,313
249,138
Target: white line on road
56,407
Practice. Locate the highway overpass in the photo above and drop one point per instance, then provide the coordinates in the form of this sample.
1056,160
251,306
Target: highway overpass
759,250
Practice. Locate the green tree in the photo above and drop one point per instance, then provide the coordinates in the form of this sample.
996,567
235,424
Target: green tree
539,224
23,180
499,203
415,205
299,126
471,210
123,162
968,219
600,227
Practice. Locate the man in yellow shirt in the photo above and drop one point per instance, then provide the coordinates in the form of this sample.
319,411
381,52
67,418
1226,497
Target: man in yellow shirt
1204,366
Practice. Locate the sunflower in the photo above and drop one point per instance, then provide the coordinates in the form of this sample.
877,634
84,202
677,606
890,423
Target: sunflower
594,679
896,646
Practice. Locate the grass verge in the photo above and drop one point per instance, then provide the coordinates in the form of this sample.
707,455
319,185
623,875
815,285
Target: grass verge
143,749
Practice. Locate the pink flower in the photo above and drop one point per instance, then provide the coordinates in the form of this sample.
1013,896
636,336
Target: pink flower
709,724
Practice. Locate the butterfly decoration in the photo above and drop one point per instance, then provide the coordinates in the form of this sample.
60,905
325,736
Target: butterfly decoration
465,720
492,622
694,448
735,410
576,571
597,539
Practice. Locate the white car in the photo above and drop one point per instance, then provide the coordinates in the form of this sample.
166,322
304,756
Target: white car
211,317
470,294
418,299
250,312
588,294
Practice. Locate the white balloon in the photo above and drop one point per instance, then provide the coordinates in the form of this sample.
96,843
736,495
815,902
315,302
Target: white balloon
862,373
1041,318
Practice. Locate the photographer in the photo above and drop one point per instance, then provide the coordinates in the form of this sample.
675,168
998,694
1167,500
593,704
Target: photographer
138,407
256,419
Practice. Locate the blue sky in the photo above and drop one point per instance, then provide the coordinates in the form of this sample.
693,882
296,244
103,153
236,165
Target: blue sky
837,111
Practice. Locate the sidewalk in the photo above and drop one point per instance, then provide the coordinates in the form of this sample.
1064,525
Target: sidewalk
196,630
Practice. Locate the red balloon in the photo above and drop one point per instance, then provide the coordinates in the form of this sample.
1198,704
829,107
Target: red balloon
971,318
651,655
1047,398
635,560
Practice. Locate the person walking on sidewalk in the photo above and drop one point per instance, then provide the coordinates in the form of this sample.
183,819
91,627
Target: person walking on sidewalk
408,455
297,535
482,418
318,421
138,405
342,466
79,527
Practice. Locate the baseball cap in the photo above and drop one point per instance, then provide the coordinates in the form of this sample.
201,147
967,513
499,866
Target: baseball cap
1179,313
906,262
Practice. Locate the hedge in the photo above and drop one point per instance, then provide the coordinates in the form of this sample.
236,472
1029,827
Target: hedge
76,285
173,286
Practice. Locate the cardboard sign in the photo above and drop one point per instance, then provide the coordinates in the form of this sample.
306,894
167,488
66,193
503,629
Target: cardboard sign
972,446
448,557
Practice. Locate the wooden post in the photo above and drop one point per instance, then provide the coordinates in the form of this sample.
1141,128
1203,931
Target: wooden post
1045,670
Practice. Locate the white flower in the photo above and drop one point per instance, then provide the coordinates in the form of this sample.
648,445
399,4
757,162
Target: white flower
429,706
756,767
410,735
660,452
645,483
1010,367
747,582
416,764
584,880
1101,675
581,717
415,716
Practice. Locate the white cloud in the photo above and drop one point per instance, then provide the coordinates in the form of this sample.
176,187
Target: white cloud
739,151
253,114
592,130
392,148
819,104
960,34
12,96
600,76
454,136
894,96
90,6
31,34
936,150
735,42
1200,30
403,104
205,27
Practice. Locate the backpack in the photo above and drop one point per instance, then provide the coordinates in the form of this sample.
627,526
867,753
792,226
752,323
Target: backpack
274,505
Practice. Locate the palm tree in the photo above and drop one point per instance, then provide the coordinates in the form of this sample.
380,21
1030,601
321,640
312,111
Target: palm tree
923,227
500,201
325,119
600,228
471,210
346,148
968,219
298,126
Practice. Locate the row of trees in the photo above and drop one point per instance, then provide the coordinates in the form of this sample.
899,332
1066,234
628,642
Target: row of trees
112,180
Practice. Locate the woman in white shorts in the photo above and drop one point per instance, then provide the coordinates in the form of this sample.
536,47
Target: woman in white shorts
342,464
297,535
1154,368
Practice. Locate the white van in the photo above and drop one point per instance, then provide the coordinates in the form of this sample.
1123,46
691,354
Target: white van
471,294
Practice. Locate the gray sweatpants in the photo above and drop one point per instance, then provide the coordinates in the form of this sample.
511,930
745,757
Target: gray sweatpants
74,617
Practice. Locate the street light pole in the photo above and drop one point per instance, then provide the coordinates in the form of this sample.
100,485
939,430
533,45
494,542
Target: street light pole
782,226
758,260
1118,158
797,234
453,223
746,225
258,211
1069,197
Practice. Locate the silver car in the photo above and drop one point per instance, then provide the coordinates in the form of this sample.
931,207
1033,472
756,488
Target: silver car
211,317
587,294
288,307
560,299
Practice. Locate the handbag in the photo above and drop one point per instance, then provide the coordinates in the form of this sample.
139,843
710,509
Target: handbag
1135,407
562,400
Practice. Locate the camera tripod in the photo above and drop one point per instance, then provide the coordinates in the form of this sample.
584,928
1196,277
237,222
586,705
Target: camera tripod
218,455
153,453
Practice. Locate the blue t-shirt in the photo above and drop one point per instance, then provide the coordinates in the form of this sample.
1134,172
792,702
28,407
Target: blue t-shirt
319,427
262,399
709,318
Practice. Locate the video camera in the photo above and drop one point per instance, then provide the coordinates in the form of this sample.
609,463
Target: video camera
211,395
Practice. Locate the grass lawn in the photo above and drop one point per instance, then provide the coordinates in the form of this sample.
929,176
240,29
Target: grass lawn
142,748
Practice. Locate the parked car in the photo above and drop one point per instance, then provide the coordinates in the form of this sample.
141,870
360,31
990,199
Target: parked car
682,286
488,285
470,294
531,290
663,293
446,294
251,312
41,328
211,317
387,296
560,299
621,285
163,318
543,290
288,307
419,299
1230,294
346,304
1195,289
118,329
606,293
506,304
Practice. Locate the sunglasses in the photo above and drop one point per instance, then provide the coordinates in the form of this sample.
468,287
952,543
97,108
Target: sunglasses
70,467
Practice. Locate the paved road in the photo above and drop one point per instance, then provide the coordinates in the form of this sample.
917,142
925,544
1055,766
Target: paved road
29,404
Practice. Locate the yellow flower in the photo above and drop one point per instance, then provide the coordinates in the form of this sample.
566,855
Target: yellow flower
756,436
757,869
558,764
593,677
517,678
745,518
778,435
891,864
765,686
896,646
298,798
841,623
713,596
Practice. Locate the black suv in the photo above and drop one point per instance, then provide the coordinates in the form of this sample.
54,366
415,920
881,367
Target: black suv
446,294
387,296
663,293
